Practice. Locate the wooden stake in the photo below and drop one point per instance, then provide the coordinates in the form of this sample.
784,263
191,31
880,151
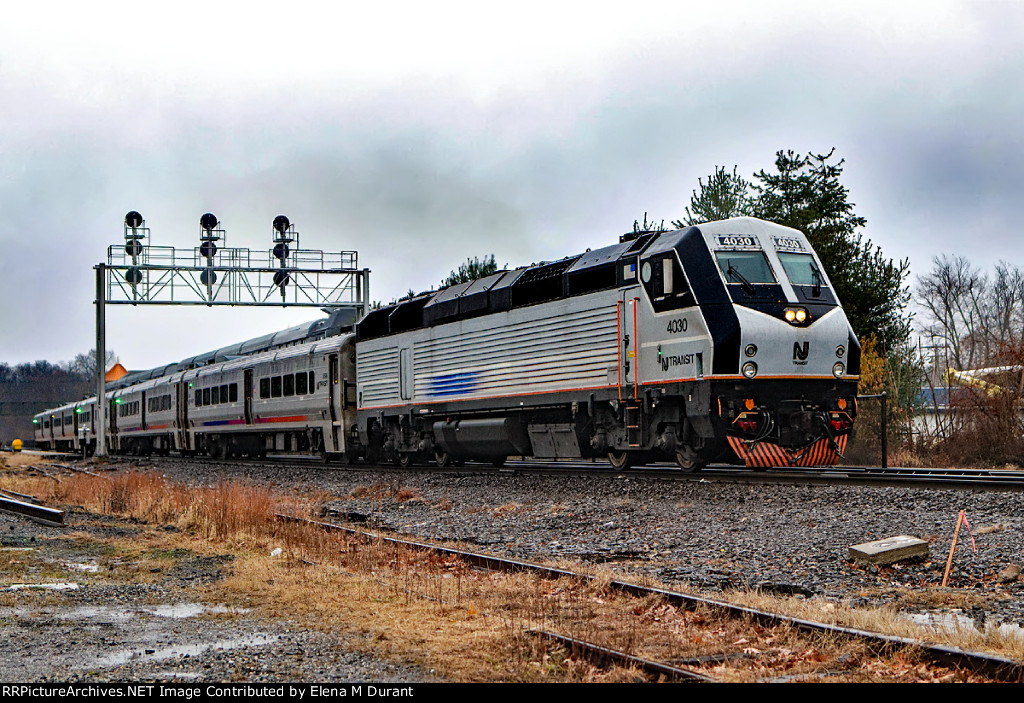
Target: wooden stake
956,535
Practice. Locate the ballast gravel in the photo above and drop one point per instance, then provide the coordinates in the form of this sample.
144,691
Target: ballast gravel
701,534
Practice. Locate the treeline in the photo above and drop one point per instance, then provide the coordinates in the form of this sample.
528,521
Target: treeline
30,388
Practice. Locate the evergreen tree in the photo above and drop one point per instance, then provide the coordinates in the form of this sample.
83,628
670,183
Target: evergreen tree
804,193
471,270
725,195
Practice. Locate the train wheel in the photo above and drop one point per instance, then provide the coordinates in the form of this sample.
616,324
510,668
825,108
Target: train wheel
405,460
442,457
620,460
689,459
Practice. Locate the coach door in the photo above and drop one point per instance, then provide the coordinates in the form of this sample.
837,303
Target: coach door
332,390
182,415
247,390
628,346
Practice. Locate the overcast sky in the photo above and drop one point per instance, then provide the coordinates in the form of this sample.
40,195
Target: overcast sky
422,133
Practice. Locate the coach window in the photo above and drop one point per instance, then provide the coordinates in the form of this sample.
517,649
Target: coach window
233,392
289,384
264,388
300,383
206,396
275,387
312,383
215,395
199,397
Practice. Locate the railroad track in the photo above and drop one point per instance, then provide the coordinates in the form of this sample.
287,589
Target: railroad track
991,479
990,666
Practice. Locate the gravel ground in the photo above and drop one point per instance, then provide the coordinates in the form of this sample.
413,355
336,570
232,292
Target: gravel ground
694,534
159,631
705,534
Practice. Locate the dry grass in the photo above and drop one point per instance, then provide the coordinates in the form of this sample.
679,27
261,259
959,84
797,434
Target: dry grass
20,460
420,608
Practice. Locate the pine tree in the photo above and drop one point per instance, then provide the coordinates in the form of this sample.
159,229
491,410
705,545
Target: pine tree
725,195
805,193
471,270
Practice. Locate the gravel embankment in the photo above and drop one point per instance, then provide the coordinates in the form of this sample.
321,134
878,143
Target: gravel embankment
703,534
707,535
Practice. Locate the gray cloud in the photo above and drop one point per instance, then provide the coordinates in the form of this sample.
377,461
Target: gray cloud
420,170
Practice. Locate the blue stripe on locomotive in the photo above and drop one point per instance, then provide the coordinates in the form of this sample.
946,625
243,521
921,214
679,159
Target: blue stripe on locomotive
453,384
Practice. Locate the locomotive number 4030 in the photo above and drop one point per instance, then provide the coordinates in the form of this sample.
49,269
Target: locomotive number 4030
677,325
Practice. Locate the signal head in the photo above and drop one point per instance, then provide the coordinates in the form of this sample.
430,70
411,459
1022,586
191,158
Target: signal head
208,221
133,220
281,223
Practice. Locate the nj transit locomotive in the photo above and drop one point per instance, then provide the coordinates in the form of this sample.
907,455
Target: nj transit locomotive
682,344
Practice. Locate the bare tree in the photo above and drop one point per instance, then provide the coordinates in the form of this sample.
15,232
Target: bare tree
84,365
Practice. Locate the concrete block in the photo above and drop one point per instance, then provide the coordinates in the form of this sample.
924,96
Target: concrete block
890,550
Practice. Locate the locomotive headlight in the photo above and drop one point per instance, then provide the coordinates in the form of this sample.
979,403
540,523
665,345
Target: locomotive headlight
749,369
840,351
750,349
796,316
838,369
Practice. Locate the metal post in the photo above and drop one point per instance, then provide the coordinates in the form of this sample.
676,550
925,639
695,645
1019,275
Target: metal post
101,361
366,291
885,430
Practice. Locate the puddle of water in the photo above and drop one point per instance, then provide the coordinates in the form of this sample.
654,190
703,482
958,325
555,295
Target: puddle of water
187,610
43,586
182,650
958,622
123,614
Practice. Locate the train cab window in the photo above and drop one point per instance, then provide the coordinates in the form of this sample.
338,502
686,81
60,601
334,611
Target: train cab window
289,384
666,285
264,388
206,396
745,267
301,384
233,392
275,387
801,269
46,424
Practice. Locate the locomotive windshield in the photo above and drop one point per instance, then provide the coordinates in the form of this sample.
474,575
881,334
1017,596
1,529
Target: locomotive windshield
801,269
745,267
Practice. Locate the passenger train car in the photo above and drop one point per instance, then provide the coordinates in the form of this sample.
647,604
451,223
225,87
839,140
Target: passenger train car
683,344
299,398
719,340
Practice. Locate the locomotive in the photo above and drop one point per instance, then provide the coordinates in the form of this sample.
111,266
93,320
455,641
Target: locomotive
719,340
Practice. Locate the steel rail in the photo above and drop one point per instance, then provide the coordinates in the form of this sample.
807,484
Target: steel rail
988,479
602,655
989,665
38,513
